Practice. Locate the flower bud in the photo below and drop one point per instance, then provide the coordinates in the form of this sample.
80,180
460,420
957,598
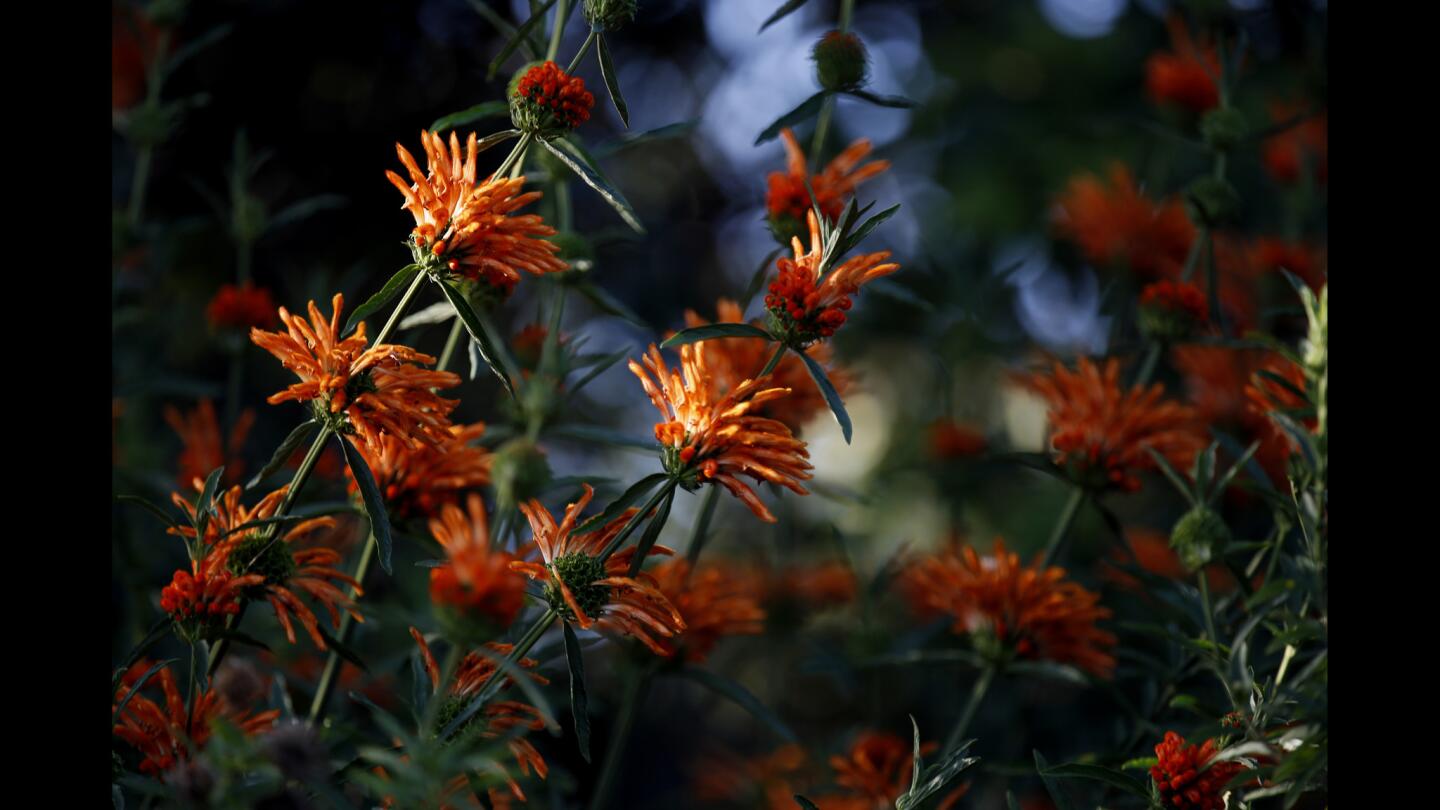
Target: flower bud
608,15
519,471
1212,201
840,61
1171,310
1224,128
1199,537
546,102
785,227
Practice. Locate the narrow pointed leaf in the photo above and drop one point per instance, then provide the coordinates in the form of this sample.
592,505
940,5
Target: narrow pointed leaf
801,800
652,533
757,281
609,304
897,102
612,83
1115,779
1170,473
151,508
341,649
1062,801
741,697
578,163
391,289
505,27
864,230
628,498
374,502
598,369
489,109
195,46
135,687
283,453
675,130
520,35
832,397
579,702
482,339
205,505
711,331
781,13
808,108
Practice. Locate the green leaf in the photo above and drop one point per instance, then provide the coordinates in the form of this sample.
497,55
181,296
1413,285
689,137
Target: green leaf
801,800
609,304
482,340
598,435
340,648
675,130
899,102
711,331
488,109
741,697
303,209
937,776
521,33
1172,475
392,288
757,281
135,688
205,505
151,508
598,368
283,453
652,533
374,501
612,83
578,700
637,490
520,678
809,107
156,632
1115,779
1139,763
1062,801
832,397
578,163
859,234
505,28
195,46
242,638
781,13
1224,482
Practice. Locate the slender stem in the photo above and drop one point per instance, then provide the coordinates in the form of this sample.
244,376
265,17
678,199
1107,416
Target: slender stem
1192,259
822,127
1204,585
585,46
1062,526
190,698
639,517
451,343
774,360
527,641
447,671
702,526
1147,366
399,309
137,187
514,155
620,737
332,664
562,15
977,695
242,260
847,10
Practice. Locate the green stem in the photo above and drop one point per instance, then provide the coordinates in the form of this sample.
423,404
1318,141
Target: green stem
242,260
527,641
447,671
585,46
702,526
1192,259
1062,526
136,209
514,155
822,127
1147,366
332,664
451,343
977,695
847,10
639,518
624,725
562,15
774,361
399,309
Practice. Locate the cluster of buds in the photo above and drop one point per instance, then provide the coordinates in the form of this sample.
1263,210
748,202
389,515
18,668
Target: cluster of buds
546,102
795,309
608,15
840,61
1171,310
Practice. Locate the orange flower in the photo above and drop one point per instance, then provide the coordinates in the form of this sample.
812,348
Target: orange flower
734,360
199,432
715,601
876,771
1270,255
1304,145
1264,396
1154,554
547,97
1102,433
240,307
1034,613
247,553
594,593
805,308
1217,379
498,718
815,585
376,388
949,439
417,480
788,202
1116,224
1186,75
1172,310
528,345
478,582
468,229
765,780
198,600
1185,776
164,734
709,437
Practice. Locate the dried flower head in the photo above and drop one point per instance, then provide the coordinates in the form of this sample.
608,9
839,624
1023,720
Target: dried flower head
376,389
548,101
242,307
787,201
1116,224
478,584
1185,776
202,451
804,307
715,600
712,437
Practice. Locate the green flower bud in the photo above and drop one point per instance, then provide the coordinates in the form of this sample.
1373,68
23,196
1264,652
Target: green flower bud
785,227
840,61
1224,128
519,471
1199,537
1212,201
608,15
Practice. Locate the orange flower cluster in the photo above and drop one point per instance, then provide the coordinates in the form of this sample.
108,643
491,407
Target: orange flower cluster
478,582
1186,777
1031,612
498,718
948,439
1176,296
876,771
377,389
1271,255
1117,224
804,307
588,591
547,90
199,599
787,201
713,437
716,600
245,306
417,480
202,451
734,360
767,780
1102,433
471,230
1306,144
1187,75
814,585
164,734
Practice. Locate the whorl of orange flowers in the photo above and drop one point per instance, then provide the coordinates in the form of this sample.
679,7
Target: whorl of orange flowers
378,389
546,93
715,601
478,582
767,780
1187,75
875,771
1179,297
498,718
1217,380
716,437
417,480
590,592
1264,396
1186,777
241,307
164,732
815,585
805,307
1115,223
202,451
470,229
787,201
1102,432
1031,612
733,360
